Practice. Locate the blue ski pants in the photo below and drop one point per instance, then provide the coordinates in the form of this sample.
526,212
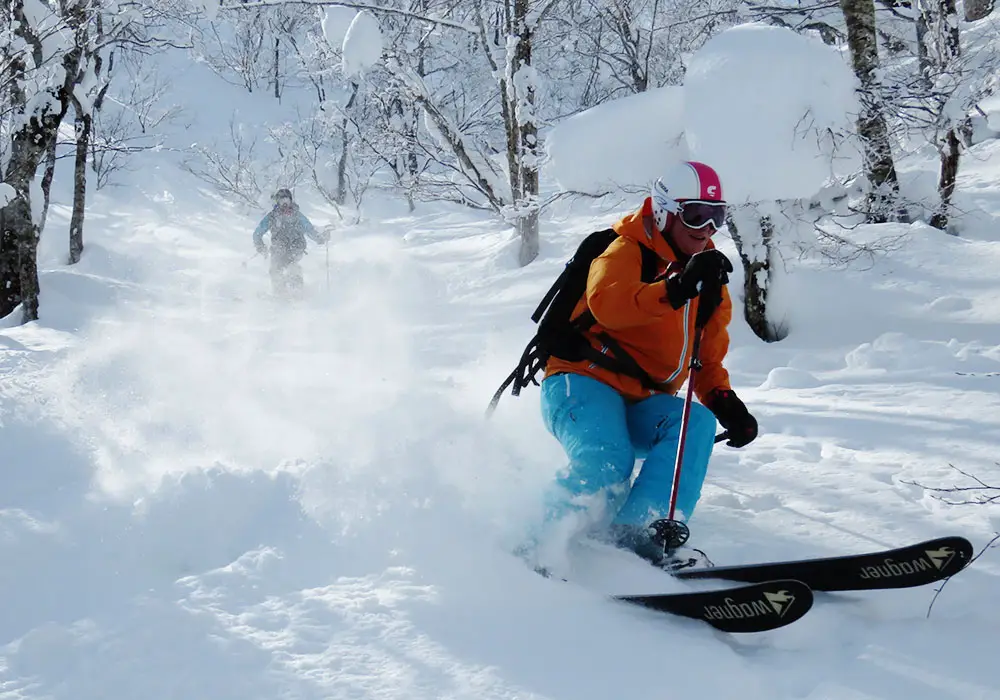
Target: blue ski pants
603,434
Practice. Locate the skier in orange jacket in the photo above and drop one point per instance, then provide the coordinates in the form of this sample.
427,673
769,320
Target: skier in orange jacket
603,414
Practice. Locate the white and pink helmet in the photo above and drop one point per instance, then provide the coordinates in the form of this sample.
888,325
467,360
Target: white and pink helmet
687,181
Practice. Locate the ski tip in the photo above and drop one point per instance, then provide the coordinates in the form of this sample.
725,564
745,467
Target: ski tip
956,553
762,607
755,607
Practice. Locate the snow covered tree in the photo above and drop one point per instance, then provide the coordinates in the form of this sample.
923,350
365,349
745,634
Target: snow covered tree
516,23
880,167
503,39
950,84
89,86
128,113
53,56
42,66
939,39
606,50
930,85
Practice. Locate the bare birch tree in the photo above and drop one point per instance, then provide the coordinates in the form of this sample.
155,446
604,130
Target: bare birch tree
43,69
862,40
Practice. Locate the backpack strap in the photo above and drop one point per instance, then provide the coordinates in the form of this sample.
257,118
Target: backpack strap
650,264
616,359
566,339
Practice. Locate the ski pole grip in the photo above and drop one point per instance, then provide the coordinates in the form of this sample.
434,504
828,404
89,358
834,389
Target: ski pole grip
722,436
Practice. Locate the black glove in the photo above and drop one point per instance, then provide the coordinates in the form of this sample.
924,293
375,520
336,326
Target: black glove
733,416
708,269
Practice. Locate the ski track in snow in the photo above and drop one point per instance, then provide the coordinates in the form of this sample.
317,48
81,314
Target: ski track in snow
207,494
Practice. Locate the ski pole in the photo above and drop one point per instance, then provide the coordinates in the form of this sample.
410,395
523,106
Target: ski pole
685,418
328,266
674,532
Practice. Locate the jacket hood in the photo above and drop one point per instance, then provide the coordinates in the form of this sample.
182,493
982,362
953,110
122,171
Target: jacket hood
640,226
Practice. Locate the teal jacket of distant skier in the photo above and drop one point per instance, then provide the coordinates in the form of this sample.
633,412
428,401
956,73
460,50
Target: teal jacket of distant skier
289,228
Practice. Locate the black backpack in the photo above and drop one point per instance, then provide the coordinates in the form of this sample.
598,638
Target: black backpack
561,336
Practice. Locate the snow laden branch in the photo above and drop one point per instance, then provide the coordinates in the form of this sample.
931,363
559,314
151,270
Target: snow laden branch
406,14
479,172
978,492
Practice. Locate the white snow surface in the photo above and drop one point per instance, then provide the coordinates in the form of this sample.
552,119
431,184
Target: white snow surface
208,494
760,103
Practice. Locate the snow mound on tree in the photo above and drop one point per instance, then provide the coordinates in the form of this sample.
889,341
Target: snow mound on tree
625,143
335,22
767,108
362,44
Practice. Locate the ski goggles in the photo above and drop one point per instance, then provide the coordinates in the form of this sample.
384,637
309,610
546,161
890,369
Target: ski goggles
697,214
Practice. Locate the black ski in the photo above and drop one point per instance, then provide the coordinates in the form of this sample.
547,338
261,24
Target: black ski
915,565
757,607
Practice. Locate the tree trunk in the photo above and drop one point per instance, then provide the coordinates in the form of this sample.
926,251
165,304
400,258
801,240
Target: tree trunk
47,177
277,66
523,99
978,9
950,152
340,196
27,148
946,39
859,16
83,125
757,274
412,159
756,248
20,268
923,23
10,277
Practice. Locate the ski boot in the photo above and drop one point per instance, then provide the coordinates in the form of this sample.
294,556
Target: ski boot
661,543
673,535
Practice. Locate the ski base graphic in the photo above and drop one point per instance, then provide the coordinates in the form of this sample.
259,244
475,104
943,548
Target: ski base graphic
757,607
905,567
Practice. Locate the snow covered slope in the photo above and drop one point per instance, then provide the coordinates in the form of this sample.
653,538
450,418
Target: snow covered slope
206,494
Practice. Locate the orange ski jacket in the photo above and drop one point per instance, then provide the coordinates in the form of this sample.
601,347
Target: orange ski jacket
636,315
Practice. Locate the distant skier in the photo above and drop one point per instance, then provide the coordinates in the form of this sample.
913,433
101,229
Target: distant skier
289,228
610,397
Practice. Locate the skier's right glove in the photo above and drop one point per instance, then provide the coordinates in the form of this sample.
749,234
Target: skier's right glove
733,415
262,250
709,268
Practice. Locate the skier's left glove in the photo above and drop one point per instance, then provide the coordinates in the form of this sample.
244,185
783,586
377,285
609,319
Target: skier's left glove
733,415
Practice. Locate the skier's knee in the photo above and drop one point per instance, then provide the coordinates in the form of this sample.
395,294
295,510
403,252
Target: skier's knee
600,467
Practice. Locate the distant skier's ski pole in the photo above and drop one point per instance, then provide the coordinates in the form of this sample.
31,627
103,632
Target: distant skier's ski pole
245,262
